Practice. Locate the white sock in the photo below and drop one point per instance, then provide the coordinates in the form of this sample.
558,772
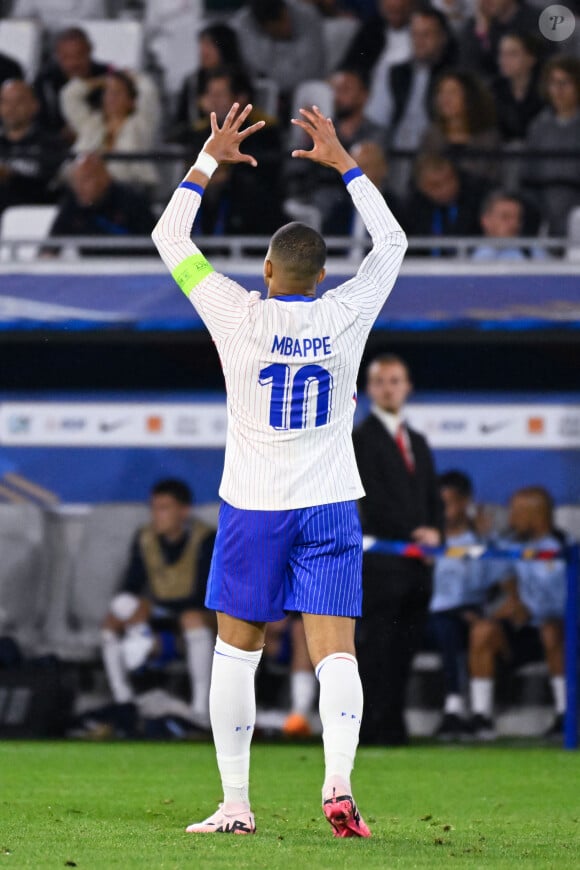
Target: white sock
137,645
232,708
113,660
481,691
199,645
559,691
341,706
455,705
302,691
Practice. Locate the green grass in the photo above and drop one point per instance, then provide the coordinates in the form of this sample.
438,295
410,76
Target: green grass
126,805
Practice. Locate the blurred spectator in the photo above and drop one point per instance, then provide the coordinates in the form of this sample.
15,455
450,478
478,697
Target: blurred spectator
411,82
235,201
118,112
457,12
218,48
9,68
24,178
320,186
166,578
380,43
516,89
281,40
71,59
97,205
527,624
479,39
444,202
401,504
463,121
502,217
55,14
557,181
459,587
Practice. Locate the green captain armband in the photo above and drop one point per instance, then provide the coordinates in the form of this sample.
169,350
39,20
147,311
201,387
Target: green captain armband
191,271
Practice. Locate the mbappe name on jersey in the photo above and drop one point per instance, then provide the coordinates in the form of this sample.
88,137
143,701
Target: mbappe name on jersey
302,347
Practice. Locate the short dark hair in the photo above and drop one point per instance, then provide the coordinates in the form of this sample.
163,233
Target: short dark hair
238,80
72,34
499,195
178,489
352,70
458,481
299,249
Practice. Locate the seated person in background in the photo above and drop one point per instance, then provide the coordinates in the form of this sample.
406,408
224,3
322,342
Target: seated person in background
433,50
25,179
317,185
9,68
236,202
97,205
167,576
463,121
281,40
516,88
218,48
481,35
116,112
527,625
502,217
444,201
71,59
556,183
458,594
381,42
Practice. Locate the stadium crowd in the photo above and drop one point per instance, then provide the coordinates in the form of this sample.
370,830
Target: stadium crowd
447,107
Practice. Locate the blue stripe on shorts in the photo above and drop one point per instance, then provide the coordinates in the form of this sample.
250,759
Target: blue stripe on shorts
266,563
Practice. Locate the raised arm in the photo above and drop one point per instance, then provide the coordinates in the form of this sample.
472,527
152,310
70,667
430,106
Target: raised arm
172,234
378,271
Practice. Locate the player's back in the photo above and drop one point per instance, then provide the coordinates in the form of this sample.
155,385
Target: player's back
291,384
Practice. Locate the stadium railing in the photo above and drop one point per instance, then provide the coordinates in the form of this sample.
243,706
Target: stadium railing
569,554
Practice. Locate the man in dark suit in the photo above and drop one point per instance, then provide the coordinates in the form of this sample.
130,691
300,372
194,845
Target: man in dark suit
402,503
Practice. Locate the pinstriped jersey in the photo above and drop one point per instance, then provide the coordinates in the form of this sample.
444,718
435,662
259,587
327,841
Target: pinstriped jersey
290,364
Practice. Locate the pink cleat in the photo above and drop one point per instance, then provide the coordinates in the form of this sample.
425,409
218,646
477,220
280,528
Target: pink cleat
342,813
235,820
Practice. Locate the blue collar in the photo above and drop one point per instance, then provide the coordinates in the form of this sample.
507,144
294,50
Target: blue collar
291,298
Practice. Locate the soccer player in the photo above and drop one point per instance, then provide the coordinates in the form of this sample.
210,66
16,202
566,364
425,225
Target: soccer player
289,537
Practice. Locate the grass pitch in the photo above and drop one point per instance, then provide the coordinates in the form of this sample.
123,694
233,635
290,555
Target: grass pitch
126,805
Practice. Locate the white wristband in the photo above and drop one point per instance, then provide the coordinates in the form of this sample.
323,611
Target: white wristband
205,163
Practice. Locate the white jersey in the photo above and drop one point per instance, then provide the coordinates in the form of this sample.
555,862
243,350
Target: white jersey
290,365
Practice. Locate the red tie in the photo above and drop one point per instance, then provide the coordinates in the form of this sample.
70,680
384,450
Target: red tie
401,442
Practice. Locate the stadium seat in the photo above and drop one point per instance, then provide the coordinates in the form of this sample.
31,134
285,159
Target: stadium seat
266,95
119,43
30,222
568,520
313,92
307,214
337,34
573,247
21,40
23,574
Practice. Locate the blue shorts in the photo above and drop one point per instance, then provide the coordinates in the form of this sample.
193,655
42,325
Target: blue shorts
266,563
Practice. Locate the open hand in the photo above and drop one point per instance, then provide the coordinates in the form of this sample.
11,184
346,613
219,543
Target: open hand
327,149
224,143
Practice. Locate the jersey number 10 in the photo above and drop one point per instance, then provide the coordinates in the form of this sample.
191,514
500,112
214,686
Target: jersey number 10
290,395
